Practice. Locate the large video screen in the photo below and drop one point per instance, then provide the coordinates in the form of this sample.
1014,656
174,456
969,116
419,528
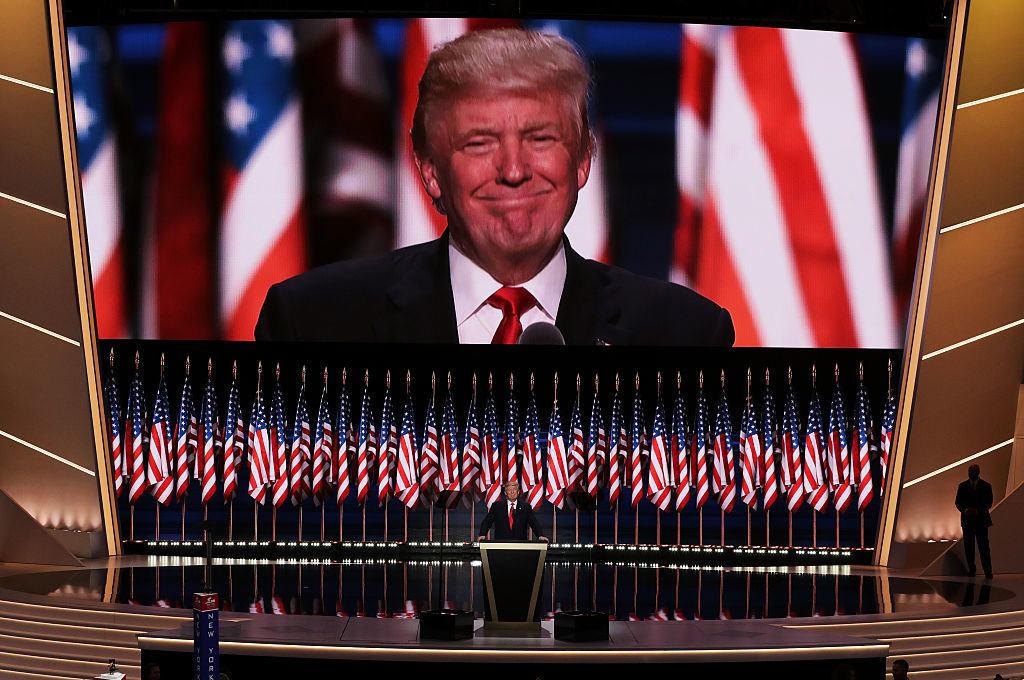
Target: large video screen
459,180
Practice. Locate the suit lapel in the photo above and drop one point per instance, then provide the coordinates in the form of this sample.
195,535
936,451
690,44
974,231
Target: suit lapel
423,306
589,311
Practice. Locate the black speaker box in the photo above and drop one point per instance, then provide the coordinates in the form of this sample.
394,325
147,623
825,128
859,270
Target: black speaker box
446,624
581,626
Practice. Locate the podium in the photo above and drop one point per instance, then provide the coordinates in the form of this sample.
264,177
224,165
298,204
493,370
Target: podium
512,577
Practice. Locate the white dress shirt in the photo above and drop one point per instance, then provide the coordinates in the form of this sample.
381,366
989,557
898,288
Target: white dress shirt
471,286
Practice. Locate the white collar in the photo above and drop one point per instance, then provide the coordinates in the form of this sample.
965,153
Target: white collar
472,285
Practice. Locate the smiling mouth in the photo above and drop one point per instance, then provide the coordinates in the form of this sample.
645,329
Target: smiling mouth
514,200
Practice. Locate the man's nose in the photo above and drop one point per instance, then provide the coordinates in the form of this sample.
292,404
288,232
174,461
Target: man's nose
513,163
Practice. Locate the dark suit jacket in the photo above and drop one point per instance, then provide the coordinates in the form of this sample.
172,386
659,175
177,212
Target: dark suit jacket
980,498
497,517
406,296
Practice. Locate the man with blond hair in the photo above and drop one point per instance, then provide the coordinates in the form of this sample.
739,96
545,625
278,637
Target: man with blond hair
503,145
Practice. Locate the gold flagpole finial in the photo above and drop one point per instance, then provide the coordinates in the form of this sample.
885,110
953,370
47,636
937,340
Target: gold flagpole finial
234,369
188,366
814,375
209,367
723,378
136,360
325,376
449,381
163,364
387,380
617,381
556,385
767,377
700,379
366,378
636,381
408,381
111,358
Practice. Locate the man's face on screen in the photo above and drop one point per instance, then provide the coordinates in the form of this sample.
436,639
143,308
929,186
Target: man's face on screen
506,169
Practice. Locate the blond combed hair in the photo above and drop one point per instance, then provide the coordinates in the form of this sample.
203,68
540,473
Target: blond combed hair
505,60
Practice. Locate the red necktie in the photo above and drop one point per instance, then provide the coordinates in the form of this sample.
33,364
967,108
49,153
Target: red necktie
511,511
513,303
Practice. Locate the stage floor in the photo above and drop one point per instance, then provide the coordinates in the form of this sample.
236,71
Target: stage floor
397,590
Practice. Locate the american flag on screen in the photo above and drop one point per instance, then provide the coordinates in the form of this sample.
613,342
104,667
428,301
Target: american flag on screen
88,60
407,487
920,112
775,164
262,237
115,426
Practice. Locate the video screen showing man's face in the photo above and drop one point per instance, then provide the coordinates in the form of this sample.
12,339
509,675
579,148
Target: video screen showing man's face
469,181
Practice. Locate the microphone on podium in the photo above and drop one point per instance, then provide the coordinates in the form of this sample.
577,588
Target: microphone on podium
541,333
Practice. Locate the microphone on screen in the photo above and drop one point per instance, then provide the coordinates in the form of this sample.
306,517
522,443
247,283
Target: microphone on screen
541,333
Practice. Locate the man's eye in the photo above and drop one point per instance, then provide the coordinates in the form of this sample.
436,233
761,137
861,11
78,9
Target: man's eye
477,145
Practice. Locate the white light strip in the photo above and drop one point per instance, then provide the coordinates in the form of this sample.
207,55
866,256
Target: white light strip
34,327
985,100
989,216
33,205
968,341
954,464
47,453
17,81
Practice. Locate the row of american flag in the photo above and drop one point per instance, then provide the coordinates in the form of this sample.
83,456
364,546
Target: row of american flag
676,459
782,155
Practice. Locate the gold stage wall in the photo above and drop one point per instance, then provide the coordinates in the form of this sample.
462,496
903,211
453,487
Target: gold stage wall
964,362
51,440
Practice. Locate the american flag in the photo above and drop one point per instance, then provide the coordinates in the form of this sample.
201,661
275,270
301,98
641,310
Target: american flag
118,469
699,449
595,447
185,444
279,442
576,449
862,454
490,453
679,448
346,437
88,57
637,449
448,453
471,484
750,454
137,426
407,487
792,463
888,426
323,446
386,454
769,466
775,163
840,464
815,486
159,473
234,442
557,460
429,464
532,467
923,68
262,237
259,449
618,447
659,473
302,442
724,472
365,450
208,435
510,441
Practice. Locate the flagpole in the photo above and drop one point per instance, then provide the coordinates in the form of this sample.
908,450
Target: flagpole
837,527
255,521
405,525
861,528
748,526
446,521
554,524
206,530
300,522
430,527
323,520
721,523
472,522
700,525
657,524
184,499
364,521
577,525
273,524
615,538
679,528
386,503
156,532
341,523
790,513
767,527
131,522
814,528
231,519
636,524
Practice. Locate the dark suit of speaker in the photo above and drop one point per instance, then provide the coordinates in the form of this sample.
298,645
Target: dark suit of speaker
974,501
406,296
524,517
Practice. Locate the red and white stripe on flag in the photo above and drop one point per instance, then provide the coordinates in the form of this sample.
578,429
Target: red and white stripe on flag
776,168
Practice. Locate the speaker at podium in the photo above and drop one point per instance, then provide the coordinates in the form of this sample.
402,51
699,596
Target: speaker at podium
513,571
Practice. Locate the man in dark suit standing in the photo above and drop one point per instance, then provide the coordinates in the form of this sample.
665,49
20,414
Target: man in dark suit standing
510,518
973,500
503,145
